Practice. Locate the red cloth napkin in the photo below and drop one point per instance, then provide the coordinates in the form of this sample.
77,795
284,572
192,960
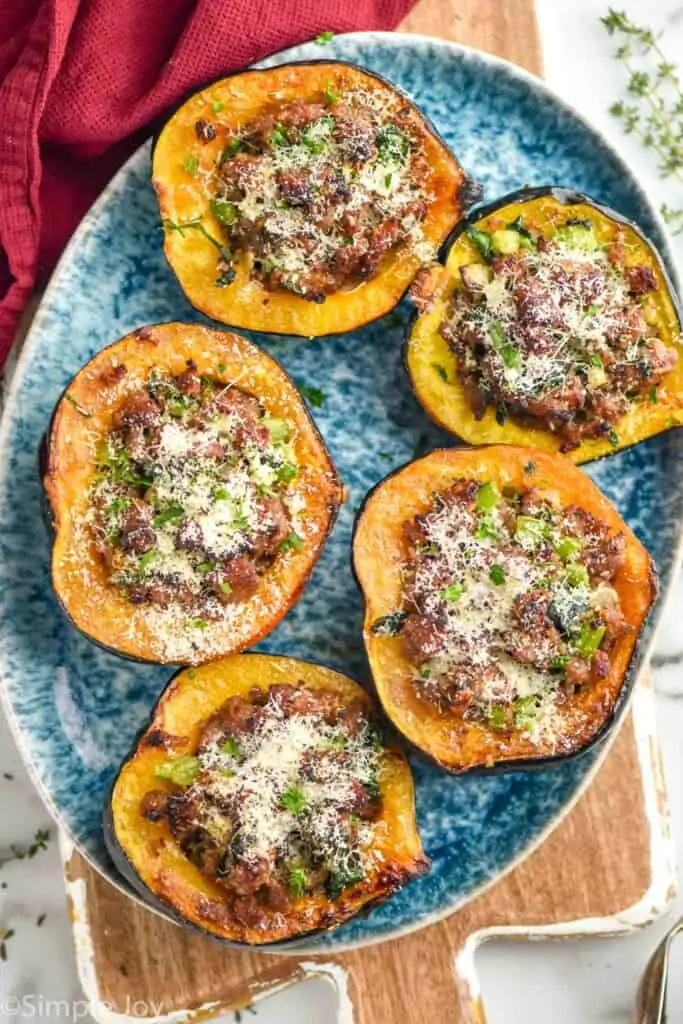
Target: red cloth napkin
82,82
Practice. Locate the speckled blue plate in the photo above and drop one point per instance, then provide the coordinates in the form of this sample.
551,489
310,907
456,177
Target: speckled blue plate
75,709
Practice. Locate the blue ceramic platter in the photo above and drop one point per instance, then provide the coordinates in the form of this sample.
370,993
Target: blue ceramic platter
75,709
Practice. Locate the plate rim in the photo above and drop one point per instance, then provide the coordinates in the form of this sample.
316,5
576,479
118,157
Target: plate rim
301,51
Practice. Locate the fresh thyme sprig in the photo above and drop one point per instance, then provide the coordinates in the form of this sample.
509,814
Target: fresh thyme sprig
655,115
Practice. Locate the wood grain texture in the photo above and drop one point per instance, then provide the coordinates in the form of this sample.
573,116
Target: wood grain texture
572,876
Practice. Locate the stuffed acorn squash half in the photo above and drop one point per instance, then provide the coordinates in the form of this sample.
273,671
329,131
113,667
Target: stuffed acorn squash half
552,324
504,599
302,199
190,495
261,804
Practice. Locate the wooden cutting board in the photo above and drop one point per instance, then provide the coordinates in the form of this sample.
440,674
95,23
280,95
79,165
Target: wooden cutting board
575,883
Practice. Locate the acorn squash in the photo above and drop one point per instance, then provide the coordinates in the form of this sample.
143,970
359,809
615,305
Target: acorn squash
158,550
205,878
503,637
647,397
238,244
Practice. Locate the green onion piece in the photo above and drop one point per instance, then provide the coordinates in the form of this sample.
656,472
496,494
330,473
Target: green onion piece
226,213
330,95
441,370
596,361
181,771
293,800
577,575
482,240
525,711
199,623
205,567
221,494
225,587
568,548
145,560
231,747
529,532
286,472
221,368
497,575
488,496
191,165
279,137
652,396
453,592
278,429
292,542
230,149
613,438
496,716
486,527
323,38
170,513
217,106
587,642
560,661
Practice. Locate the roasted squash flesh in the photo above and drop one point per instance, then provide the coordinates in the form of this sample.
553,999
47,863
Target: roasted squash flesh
196,150
153,860
486,719
624,416
125,619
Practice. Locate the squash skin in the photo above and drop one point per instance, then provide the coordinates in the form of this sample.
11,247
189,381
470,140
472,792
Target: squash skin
66,461
246,303
378,552
144,852
445,401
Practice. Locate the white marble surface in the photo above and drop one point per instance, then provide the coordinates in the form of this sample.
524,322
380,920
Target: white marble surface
592,982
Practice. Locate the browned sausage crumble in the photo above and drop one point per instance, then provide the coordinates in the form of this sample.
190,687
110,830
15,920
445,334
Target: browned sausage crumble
318,193
509,604
189,505
555,331
278,802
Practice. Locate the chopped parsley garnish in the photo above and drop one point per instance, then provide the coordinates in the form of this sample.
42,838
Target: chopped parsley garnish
314,396
231,747
560,661
217,106
596,361
497,575
199,623
613,438
441,370
292,542
221,368
529,467
293,800
117,506
221,494
525,712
